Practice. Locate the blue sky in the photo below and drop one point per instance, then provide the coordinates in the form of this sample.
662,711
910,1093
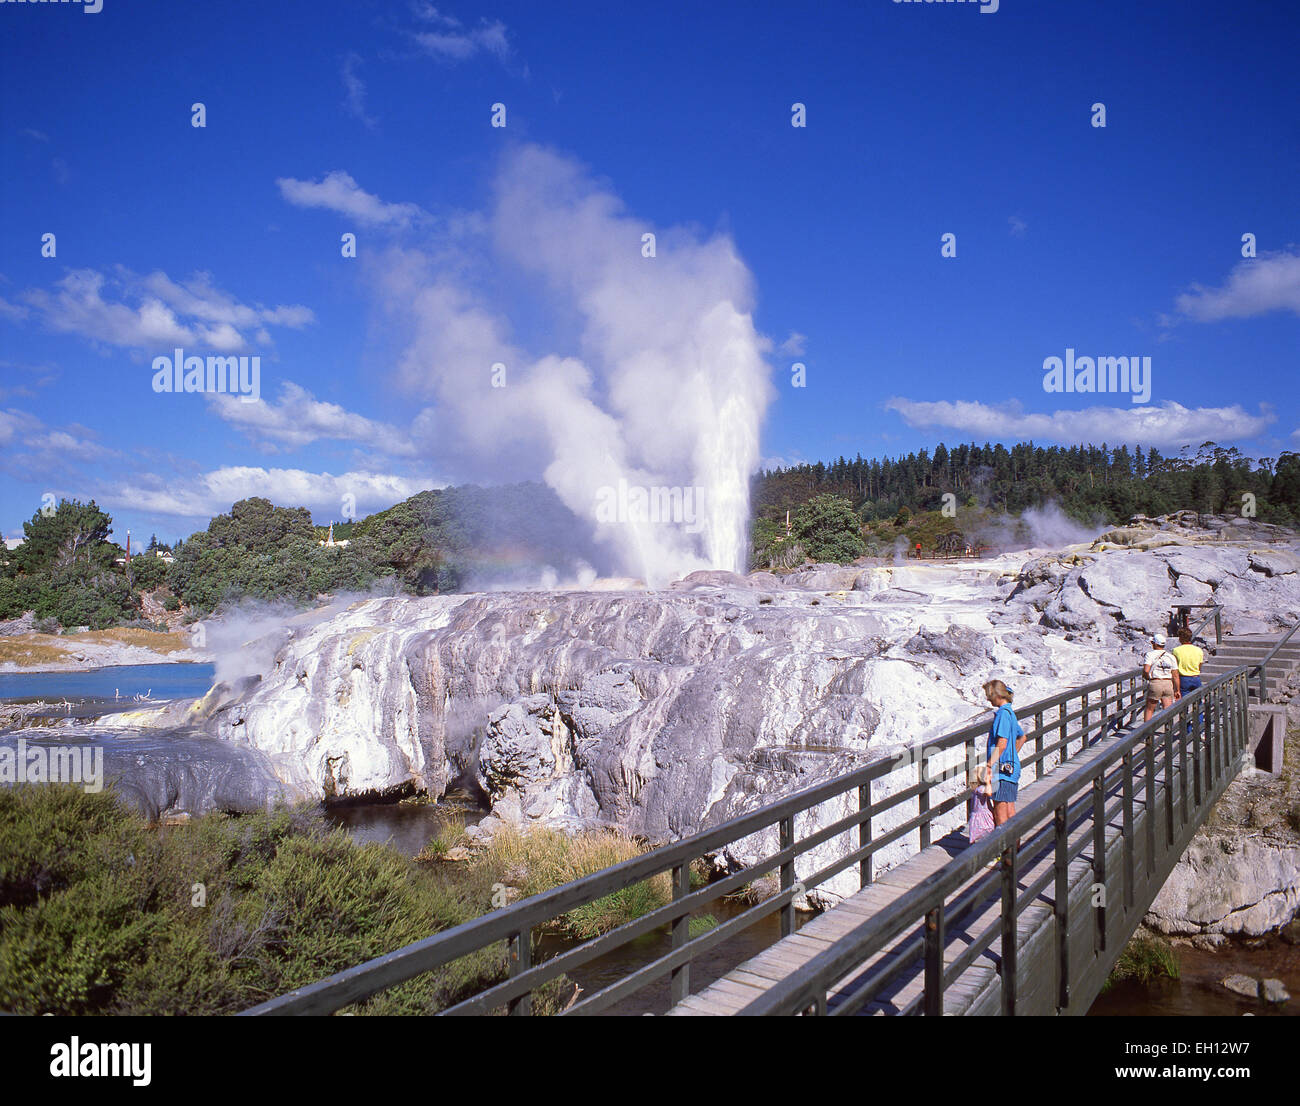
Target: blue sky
375,119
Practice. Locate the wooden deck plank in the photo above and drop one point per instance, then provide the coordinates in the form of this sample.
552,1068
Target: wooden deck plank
906,982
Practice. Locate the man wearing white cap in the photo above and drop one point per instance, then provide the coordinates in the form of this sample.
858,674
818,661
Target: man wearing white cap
1160,667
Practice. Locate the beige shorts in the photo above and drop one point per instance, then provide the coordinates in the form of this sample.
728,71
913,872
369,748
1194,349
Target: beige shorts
1159,689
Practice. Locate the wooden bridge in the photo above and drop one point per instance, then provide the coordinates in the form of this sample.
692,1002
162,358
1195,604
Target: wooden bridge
1027,921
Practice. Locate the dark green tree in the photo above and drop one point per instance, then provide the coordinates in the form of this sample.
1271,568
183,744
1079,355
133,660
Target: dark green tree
828,529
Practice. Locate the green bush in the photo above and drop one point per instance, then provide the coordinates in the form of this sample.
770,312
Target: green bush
827,527
99,914
1147,957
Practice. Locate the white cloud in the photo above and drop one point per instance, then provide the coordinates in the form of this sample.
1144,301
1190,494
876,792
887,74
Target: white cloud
207,494
1164,425
422,9
794,345
35,376
337,191
299,419
15,311
15,423
199,299
356,89
162,313
31,449
1018,226
1270,282
454,42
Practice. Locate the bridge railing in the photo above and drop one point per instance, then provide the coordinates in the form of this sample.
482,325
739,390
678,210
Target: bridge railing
1261,669
895,803
1213,611
1206,730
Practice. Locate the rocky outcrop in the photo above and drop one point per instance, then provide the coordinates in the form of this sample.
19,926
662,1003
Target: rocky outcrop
661,711
1228,884
669,711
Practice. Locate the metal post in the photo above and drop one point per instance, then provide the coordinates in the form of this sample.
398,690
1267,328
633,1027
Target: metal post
864,834
1099,857
1240,737
923,802
1009,926
1182,761
1222,731
681,932
520,960
1127,768
1169,785
1038,745
1198,748
934,962
1150,758
787,876
1061,907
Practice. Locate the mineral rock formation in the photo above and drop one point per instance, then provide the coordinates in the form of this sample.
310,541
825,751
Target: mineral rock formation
666,712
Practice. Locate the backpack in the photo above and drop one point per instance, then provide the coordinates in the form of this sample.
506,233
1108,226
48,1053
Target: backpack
1173,661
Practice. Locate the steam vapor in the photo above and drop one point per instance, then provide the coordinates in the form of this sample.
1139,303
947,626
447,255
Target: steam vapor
664,384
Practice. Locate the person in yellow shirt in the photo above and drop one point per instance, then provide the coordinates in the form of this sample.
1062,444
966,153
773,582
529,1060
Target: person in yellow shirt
1190,658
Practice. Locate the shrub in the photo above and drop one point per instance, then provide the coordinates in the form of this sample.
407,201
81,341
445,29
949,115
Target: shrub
1144,959
98,913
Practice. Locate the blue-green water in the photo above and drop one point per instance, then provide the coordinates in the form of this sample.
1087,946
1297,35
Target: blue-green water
160,681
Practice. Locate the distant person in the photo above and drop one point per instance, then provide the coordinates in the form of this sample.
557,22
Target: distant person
1190,658
1160,667
979,821
1003,751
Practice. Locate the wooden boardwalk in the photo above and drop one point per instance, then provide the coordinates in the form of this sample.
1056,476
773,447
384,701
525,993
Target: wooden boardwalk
895,976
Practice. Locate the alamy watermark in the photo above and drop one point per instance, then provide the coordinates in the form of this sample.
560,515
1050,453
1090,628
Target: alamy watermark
659,504
1101,374
241,376
23,763
100,1060
90,7
987,7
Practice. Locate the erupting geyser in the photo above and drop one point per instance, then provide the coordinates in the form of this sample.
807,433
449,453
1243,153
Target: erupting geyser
652,433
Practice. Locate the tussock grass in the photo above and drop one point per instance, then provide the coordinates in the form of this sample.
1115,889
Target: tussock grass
447,836
1146,958
753,893
538,859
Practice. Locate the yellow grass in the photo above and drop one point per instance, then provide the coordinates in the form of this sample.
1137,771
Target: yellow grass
133,635
539,859
30,649
34,649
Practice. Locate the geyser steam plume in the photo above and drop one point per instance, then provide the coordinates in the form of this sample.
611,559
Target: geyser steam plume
648,423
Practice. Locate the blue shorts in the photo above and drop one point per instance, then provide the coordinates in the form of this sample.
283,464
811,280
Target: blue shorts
1005,792
1188,684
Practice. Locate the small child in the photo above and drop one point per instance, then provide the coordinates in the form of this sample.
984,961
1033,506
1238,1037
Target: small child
980,822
